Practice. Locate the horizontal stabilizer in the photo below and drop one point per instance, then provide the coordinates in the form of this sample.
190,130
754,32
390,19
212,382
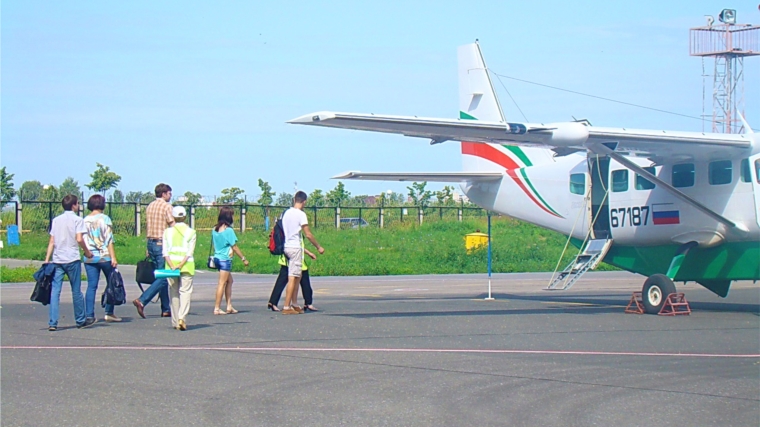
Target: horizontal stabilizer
422,176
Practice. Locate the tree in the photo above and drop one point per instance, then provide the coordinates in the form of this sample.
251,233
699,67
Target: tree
69,186
192,198
103,179
338,195
50,193
140,197
133,197
445,196
30,191
7,191
316,198
284,199
147,196
419,195
230,196
266,193
117,196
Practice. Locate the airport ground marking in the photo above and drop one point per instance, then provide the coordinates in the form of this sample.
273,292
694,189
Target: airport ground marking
387,350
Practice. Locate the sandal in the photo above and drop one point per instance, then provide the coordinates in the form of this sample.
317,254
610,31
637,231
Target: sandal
218,312
232,311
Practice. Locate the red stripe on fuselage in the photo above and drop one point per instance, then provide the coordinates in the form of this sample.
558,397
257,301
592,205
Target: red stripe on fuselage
489,153
492,154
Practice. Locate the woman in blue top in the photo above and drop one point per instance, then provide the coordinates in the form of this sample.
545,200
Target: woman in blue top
225,243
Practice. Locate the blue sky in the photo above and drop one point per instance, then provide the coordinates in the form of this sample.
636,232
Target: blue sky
196,94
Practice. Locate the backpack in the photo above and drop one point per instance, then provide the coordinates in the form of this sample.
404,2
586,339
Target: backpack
114,292
277,237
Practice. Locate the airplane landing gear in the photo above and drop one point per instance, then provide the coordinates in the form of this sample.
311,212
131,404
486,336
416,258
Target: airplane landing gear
656,289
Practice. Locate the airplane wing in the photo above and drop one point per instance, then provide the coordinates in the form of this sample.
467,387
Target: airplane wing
422,176
565,136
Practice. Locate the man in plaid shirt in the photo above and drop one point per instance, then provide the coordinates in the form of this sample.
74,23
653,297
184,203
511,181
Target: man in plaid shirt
159,217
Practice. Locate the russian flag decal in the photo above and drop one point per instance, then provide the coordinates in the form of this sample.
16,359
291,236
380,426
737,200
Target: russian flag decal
664,214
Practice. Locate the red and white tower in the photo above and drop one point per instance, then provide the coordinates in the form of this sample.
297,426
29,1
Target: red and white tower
728,43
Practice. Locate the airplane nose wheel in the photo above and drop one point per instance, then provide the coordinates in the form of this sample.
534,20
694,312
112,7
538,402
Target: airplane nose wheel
656,290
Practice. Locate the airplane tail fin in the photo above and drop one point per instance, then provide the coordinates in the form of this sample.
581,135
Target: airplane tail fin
478,101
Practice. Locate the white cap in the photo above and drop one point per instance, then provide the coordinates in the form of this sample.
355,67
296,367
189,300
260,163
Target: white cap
179,212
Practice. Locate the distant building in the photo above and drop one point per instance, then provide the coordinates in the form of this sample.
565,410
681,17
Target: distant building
460,198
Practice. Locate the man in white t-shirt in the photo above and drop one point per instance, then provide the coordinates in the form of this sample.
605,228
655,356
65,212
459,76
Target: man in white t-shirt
293,222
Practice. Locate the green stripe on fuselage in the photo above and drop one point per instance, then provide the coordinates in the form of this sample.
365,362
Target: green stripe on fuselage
519,153
524,175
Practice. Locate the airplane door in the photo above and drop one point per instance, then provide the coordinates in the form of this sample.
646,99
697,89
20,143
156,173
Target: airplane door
599,170
754,165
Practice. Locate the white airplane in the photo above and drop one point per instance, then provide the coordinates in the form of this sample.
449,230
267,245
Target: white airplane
674,206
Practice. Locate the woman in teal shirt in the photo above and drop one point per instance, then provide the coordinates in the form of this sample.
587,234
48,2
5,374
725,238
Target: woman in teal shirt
225,244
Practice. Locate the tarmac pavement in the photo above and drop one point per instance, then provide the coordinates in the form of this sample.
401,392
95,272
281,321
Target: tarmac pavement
390,351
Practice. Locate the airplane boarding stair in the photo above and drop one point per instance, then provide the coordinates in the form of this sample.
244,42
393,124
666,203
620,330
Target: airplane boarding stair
591,256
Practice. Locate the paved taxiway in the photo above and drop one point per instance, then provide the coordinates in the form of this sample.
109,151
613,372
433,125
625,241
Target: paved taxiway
395,351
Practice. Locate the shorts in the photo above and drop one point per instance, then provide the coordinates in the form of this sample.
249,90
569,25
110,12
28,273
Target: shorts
222,265
295,261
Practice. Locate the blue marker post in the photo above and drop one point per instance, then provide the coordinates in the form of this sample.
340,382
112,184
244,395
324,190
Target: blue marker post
489,258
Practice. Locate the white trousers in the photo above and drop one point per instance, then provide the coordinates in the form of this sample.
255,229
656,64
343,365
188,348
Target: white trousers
181,292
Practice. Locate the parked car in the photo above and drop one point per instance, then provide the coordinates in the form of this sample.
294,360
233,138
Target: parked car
353,222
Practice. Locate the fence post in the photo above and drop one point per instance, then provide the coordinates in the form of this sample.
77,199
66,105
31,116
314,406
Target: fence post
137,218
243,210
81,211
382,217
337,217
315,217
421,214
192,217
18,217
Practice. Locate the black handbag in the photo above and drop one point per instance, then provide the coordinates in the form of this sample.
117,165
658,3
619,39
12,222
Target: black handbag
211,263
42,290
144,272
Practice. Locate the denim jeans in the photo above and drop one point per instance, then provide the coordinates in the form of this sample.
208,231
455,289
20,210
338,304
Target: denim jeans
74,271
159,286
93,277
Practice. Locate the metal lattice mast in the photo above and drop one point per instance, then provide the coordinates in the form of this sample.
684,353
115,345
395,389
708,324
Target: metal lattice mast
728,44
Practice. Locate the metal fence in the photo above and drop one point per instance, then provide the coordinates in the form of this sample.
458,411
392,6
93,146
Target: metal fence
129,218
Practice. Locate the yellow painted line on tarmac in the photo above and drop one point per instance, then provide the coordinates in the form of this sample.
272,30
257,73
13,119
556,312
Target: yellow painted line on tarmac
366,295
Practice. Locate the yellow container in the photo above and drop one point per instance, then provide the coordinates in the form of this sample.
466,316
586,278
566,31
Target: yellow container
475,240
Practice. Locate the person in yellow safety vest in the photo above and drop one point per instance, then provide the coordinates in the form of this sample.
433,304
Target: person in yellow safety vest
178,248
282,281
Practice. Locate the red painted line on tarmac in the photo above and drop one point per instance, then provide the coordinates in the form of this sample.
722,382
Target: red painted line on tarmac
383,350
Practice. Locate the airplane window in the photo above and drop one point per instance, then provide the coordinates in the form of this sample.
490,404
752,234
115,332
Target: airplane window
720,172
745,171
643,183
757,170
683,175
578,183
619,180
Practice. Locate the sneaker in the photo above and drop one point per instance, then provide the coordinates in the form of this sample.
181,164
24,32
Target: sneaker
52,328
88,322
112,318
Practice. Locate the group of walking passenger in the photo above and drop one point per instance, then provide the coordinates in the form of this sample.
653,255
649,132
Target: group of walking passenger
170,243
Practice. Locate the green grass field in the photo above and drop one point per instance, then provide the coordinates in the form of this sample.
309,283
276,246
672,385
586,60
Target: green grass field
431,248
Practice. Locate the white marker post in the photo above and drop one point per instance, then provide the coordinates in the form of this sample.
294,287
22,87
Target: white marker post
489,259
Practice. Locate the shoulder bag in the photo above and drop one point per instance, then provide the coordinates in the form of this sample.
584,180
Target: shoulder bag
210,263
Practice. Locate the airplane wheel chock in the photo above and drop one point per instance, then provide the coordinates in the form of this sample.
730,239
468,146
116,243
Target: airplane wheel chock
675,304
635,306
